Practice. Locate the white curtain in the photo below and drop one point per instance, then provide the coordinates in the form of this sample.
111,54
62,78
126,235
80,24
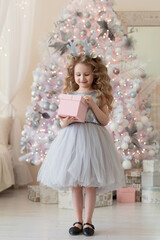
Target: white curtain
16,25
3,12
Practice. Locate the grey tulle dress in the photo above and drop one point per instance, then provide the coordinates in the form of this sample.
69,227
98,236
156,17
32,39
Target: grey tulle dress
83,154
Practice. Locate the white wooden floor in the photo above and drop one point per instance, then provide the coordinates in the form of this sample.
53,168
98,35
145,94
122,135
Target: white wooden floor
21,219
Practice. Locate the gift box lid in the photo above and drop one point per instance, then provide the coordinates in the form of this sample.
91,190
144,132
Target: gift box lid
151,160
33,187
150,174
73,97
153,189
127,189
133,172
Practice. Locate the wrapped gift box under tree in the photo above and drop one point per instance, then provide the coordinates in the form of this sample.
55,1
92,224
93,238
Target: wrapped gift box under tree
151,165
65,199
126,195
151,195
133,180
48,195
151,181
34,193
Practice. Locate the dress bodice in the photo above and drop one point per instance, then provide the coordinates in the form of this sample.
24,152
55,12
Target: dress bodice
90,116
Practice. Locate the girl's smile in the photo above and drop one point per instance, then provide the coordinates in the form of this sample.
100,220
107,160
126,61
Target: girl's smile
83,76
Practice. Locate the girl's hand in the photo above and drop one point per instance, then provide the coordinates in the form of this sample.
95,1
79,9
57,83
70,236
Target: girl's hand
65,121
89,100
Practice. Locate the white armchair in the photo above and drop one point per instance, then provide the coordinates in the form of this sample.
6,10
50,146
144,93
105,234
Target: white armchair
12,172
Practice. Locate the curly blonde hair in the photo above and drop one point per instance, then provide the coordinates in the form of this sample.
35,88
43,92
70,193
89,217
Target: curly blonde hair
101,80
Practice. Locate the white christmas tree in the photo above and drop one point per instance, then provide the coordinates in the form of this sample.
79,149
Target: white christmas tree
96,22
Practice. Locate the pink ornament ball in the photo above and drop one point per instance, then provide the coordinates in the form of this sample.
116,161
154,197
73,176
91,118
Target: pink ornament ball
49,95
116,71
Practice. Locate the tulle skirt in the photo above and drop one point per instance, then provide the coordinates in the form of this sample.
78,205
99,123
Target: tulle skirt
83,154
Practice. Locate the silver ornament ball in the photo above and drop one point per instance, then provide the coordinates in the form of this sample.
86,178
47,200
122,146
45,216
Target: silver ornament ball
35,125
46,105
59,83
130,146
86,14
133,94
74,21
33,93
53,107
83,32
88,24
93,42
129,117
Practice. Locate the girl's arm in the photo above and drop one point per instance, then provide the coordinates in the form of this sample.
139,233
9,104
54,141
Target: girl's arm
101,113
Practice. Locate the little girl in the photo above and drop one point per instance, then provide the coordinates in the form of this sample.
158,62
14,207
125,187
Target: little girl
83,155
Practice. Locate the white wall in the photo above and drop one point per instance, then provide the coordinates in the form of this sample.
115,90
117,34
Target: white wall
47,13
137,5
147,48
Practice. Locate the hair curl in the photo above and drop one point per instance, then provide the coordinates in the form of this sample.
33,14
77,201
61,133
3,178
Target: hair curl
101,80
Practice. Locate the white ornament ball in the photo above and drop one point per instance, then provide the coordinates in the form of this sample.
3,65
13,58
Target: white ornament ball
42,78
120,115
151,152
23,133
126,164
149,129
136,86
144,119
139,125
36,162
127,139
125,123
33,93
119,118
124,146
108,58
76,30
118,50
120,128
129,106
122,82
113,126
55,36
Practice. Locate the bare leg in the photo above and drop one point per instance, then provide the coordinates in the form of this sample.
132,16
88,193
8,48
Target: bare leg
77,198
90,199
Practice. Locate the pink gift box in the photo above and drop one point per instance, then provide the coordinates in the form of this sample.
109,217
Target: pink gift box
126,195
73,106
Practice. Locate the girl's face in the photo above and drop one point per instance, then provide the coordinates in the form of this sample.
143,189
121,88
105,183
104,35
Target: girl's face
83,76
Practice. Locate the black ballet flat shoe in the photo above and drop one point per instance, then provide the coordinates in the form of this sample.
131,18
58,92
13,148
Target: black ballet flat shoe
75,230
88,231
